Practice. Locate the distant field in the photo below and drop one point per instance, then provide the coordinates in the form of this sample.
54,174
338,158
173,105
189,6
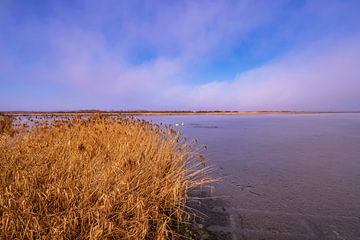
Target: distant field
99,178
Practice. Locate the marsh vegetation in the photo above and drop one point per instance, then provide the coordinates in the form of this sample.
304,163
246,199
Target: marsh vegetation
96,178
6,124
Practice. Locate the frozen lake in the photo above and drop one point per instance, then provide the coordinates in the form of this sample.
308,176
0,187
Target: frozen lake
283,176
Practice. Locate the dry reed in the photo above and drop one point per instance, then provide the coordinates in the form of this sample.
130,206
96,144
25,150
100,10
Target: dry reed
6,124
100,178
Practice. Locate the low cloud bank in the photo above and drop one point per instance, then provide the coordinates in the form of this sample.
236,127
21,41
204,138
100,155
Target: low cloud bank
324,76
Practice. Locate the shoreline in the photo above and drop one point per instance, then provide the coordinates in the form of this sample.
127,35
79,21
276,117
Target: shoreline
162,113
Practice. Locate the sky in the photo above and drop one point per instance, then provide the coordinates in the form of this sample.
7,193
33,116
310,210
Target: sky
180,55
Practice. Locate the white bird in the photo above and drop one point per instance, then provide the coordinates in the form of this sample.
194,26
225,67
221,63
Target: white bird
176,124
182,124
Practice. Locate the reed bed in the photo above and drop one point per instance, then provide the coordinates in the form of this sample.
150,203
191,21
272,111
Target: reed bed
96,178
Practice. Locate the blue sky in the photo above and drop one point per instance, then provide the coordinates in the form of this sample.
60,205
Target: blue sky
182,55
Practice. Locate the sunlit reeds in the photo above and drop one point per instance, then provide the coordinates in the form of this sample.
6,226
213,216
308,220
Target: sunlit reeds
6,124
99,178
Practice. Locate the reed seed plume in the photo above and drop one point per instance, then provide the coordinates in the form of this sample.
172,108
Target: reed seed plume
95,178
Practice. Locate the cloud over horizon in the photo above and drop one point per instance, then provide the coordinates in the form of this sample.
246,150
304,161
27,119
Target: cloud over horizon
230,55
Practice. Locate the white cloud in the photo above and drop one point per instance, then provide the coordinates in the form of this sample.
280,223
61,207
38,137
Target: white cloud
86,48
323,76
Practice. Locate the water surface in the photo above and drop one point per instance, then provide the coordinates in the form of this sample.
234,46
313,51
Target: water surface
292,164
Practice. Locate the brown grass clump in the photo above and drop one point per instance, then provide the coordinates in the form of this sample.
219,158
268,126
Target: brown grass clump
6,125
101,178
